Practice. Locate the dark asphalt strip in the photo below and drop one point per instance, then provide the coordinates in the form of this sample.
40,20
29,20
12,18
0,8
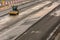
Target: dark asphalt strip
44,27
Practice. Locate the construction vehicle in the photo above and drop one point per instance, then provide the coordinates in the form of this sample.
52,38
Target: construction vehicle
14,11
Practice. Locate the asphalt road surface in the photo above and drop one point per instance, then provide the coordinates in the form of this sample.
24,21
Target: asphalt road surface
30,20
5,24
25,20
41,29
7,20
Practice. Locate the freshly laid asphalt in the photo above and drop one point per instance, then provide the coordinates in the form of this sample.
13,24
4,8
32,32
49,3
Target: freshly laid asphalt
41,29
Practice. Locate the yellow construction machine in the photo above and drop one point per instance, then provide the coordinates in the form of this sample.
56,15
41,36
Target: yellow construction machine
14,11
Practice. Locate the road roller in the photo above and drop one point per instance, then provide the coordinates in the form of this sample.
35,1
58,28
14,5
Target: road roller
14,11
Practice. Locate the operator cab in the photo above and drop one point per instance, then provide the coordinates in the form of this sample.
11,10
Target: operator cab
14,8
